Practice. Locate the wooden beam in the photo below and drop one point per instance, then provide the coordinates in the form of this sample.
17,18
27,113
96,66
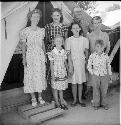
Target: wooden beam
38,118
114,50
28,110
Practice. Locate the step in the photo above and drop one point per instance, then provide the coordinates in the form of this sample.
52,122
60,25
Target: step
38,118
28,110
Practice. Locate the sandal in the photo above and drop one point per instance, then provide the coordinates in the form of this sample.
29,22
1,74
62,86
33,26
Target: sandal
64,107
34,102
41,101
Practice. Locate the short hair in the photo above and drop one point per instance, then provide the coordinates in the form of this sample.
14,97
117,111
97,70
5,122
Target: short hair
100,42
75,22
78,7
59,11
59,36
96,18
29,15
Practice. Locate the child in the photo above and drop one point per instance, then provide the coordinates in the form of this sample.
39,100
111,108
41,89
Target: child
58,67
33,51
78,47
54,28
100,69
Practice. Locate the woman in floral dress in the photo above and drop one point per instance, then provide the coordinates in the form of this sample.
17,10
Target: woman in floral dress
34,57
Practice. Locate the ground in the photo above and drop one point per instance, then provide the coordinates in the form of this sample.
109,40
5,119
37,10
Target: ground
78,115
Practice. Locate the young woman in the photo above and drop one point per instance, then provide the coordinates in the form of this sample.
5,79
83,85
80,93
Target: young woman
34,57
55,28
78,46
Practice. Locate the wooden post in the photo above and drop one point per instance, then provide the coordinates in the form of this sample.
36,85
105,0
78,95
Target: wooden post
44,13
114,50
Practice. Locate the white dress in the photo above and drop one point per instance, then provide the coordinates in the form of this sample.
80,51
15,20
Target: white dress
77,46
59,58
34,73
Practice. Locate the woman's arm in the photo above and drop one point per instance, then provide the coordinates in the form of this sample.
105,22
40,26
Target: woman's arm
90,64
52,69
43,48
24,48
86,52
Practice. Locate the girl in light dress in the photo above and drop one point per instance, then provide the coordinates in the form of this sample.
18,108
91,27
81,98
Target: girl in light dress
58,65
33,51
78,47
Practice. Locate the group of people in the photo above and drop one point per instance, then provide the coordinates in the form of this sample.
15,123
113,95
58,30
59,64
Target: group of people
68,58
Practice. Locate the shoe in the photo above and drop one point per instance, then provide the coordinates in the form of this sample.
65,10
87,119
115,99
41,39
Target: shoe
82,104
74,104
41,101
34,102
105,107
57,105
64,107
64,102
96,107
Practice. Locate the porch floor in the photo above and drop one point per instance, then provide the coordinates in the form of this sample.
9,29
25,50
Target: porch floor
77,115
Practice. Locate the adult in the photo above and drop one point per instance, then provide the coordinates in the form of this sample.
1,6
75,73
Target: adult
98,34
56,27
79,17
33,51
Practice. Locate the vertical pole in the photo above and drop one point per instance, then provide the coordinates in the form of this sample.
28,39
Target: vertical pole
44,13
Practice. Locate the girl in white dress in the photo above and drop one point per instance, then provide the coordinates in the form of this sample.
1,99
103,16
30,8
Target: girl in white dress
34,57
58,65
78,47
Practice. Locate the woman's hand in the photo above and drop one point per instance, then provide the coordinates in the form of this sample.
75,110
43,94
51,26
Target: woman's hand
110,78
46,59
24,62
53,78
70,71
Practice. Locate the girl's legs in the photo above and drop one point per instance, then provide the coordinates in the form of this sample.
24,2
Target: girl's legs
80,92
40,98
55,94
61,98
74,92
34,101
62,101
80,88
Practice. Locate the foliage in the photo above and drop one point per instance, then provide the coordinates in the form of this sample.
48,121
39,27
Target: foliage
88,6
85,5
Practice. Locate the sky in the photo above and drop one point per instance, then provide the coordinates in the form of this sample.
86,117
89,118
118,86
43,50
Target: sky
109,18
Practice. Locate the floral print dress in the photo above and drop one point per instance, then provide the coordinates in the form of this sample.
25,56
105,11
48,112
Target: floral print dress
59,58
34,72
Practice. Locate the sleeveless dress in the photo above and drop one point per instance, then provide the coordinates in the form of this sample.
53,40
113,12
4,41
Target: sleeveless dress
34,73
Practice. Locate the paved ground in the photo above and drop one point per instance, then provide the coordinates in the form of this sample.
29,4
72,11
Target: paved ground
77,115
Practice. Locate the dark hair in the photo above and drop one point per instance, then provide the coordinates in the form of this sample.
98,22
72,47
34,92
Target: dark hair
59,11
96,18
29,15
100,42
73,23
